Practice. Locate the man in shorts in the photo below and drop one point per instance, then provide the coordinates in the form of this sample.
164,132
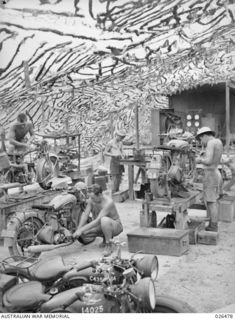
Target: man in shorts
105,220
212,183
114,149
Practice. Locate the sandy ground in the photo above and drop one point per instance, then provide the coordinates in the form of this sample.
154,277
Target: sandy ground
204,277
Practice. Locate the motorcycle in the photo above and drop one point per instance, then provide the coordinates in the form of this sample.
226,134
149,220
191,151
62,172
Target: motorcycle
122,286
46,226
42,286
36,165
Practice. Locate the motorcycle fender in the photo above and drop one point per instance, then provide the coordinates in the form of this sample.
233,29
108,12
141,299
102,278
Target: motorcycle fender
82,274
22,216
8,236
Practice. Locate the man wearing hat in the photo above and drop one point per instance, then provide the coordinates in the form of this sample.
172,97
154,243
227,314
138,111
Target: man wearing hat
212,178
115,151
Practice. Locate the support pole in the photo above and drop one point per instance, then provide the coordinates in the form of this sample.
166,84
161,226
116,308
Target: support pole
155,127
227,115
26,74
137,127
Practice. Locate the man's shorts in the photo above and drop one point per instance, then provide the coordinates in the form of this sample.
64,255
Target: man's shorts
211,194
90,235
212,185
4,161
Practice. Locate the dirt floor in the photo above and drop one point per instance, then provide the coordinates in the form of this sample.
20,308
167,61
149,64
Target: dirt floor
204,277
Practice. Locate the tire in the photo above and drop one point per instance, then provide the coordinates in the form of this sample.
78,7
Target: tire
26,227
168,304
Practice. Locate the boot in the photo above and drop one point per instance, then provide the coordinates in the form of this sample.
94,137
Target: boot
108,249
102,244
213,226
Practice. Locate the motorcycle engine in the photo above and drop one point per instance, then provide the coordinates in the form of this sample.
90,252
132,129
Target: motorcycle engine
62,235
50,236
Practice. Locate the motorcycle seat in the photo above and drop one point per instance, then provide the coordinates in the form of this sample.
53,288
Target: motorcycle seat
48,268
24,296
43,206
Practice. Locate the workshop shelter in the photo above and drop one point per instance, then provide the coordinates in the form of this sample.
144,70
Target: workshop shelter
91,62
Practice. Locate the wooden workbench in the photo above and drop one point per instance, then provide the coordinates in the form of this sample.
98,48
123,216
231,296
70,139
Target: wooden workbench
68,146
177,206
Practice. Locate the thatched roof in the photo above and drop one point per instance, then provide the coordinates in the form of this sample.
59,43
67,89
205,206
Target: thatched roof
94,60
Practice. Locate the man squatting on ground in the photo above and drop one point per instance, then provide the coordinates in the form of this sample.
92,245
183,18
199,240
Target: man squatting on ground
212,183
105,222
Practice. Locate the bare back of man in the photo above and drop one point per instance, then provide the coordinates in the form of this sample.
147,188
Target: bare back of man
17,134
214,151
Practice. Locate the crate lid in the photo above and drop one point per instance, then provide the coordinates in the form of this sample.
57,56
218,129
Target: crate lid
158,233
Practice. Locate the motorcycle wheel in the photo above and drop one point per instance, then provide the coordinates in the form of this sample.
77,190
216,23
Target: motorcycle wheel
168,304
46,169
148,265
24,232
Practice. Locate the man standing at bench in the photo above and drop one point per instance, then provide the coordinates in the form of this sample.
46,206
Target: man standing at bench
4,161
212,184
114,149
17,134
105,221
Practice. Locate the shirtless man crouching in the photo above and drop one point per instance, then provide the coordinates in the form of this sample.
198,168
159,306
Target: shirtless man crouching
105,221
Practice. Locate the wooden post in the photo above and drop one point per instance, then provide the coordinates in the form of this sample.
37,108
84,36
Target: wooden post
43,122
155,127
227,115
26,74
137,127
131,181
79,151
67,129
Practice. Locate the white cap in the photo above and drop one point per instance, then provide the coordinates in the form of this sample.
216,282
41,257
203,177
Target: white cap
204,130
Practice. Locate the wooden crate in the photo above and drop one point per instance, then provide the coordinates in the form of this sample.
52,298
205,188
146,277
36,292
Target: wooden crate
162,241
227,208
207,237
120,196
193,228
